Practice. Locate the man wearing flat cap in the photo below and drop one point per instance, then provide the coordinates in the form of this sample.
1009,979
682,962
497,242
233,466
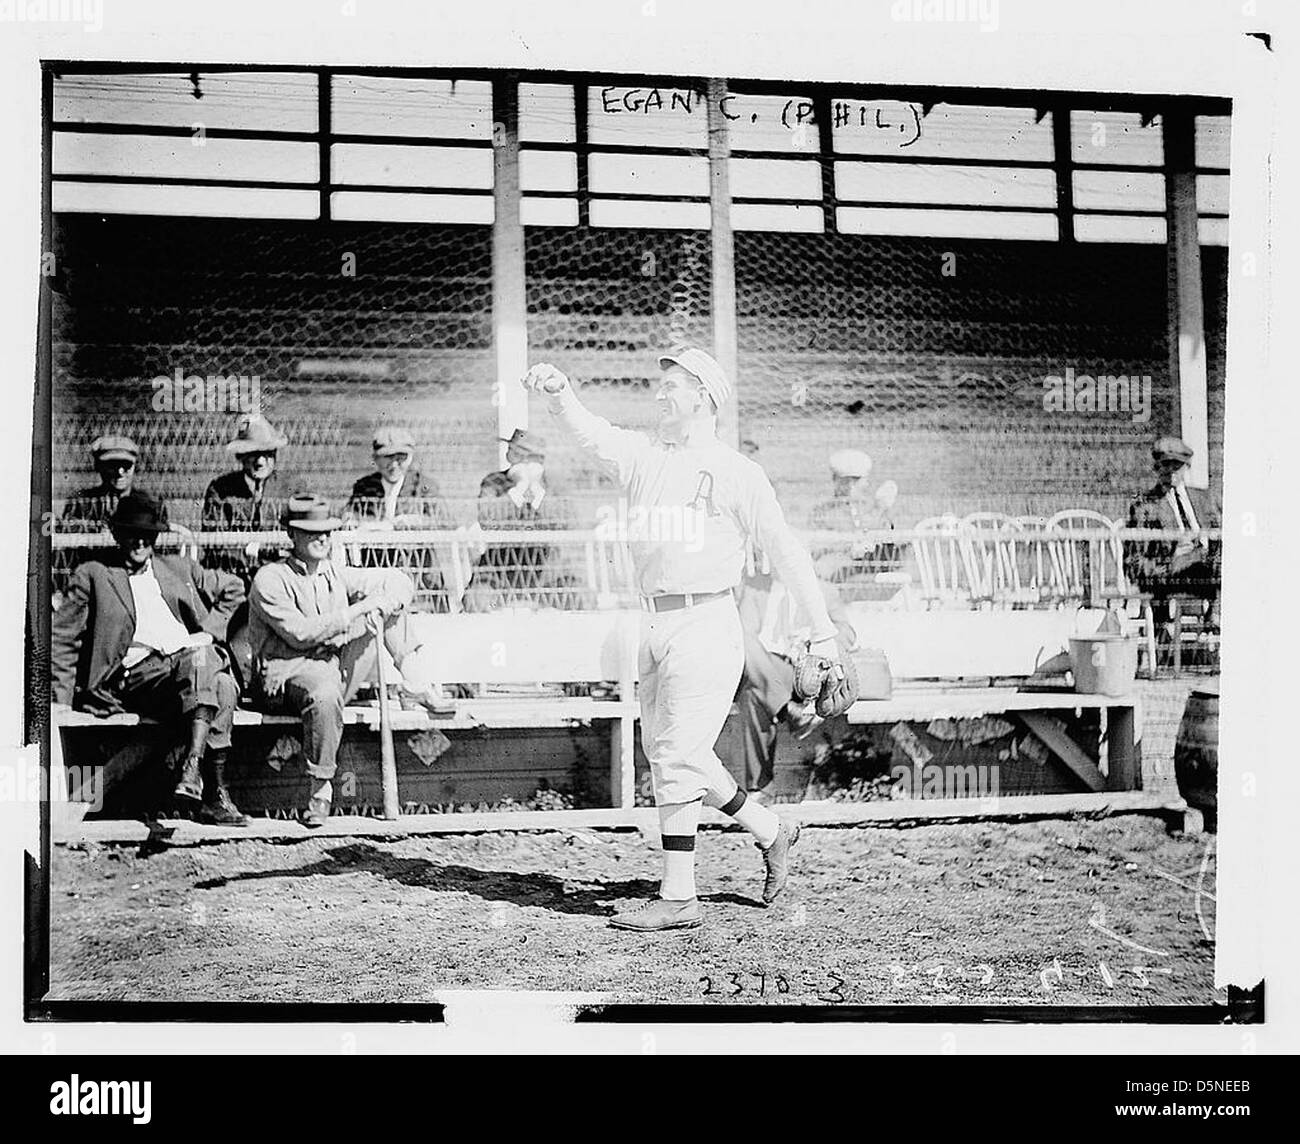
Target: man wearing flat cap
141,632
115,460
520,497
311,647
1190,564
397,496
694,506
395,493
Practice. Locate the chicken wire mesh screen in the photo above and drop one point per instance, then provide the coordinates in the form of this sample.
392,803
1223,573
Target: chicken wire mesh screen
344,328
602,305
935,357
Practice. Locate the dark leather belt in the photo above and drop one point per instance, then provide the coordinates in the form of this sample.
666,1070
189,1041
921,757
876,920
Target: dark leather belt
674,603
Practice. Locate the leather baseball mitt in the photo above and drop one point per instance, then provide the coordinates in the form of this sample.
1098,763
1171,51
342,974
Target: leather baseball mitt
839,689
810,672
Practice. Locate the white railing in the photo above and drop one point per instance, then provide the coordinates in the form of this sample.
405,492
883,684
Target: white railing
942,563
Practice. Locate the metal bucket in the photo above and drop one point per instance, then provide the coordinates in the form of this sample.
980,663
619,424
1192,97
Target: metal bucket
1196,753
1104,664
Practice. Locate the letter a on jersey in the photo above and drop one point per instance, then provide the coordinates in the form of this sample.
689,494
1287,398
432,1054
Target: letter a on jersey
703,497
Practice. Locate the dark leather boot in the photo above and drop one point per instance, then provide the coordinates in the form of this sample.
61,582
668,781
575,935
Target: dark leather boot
189,784
218,807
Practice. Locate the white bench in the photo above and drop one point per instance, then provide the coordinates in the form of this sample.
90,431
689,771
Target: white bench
940,659
930,653
508,651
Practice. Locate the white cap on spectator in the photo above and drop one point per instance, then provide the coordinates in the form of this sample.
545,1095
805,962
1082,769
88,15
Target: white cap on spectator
850,463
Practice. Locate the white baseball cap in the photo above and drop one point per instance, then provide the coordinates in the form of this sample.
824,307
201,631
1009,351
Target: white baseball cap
695,361
850,463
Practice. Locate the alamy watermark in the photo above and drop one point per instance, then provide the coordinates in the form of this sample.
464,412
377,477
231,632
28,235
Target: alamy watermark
950,780
654,524
211,393
20,781
77,1097
1104,393
88,13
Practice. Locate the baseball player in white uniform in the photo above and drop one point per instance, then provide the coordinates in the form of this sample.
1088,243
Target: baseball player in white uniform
693,503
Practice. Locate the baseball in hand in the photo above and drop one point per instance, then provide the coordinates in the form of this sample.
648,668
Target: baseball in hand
544,377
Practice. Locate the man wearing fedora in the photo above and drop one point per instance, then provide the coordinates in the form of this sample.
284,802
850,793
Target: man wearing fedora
397,496
115,460
140,632
1189,563
311,648
519,497
250,498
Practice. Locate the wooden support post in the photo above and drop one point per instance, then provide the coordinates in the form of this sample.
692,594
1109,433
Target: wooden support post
1186,311
1063,165
582,153
324,112
722,299
1122,771
826,158
509,301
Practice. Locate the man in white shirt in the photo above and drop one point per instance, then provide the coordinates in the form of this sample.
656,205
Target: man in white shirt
139,632
693,504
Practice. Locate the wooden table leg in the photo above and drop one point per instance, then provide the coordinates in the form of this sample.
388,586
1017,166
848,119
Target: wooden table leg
1122,771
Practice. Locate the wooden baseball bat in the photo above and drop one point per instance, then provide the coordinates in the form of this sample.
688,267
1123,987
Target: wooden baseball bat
387,756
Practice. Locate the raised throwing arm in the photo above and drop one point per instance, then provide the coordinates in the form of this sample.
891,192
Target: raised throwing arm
617,448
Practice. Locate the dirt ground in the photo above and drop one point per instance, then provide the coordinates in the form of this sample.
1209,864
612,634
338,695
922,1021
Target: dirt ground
1102,912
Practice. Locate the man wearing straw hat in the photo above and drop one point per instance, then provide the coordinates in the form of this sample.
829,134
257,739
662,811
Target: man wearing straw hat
694,504
311,648
249,499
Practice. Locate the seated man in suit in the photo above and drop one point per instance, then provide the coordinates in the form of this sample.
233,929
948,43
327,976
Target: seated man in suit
250,498
1190,564
137,632
396,496
773,631
520,497
311,648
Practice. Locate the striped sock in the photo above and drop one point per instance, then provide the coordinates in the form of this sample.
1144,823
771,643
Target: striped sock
677,825
758,820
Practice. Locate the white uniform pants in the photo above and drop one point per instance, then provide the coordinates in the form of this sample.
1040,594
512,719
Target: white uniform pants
689,664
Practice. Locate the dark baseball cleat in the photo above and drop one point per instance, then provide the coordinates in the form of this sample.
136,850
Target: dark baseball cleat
777,859
660,914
